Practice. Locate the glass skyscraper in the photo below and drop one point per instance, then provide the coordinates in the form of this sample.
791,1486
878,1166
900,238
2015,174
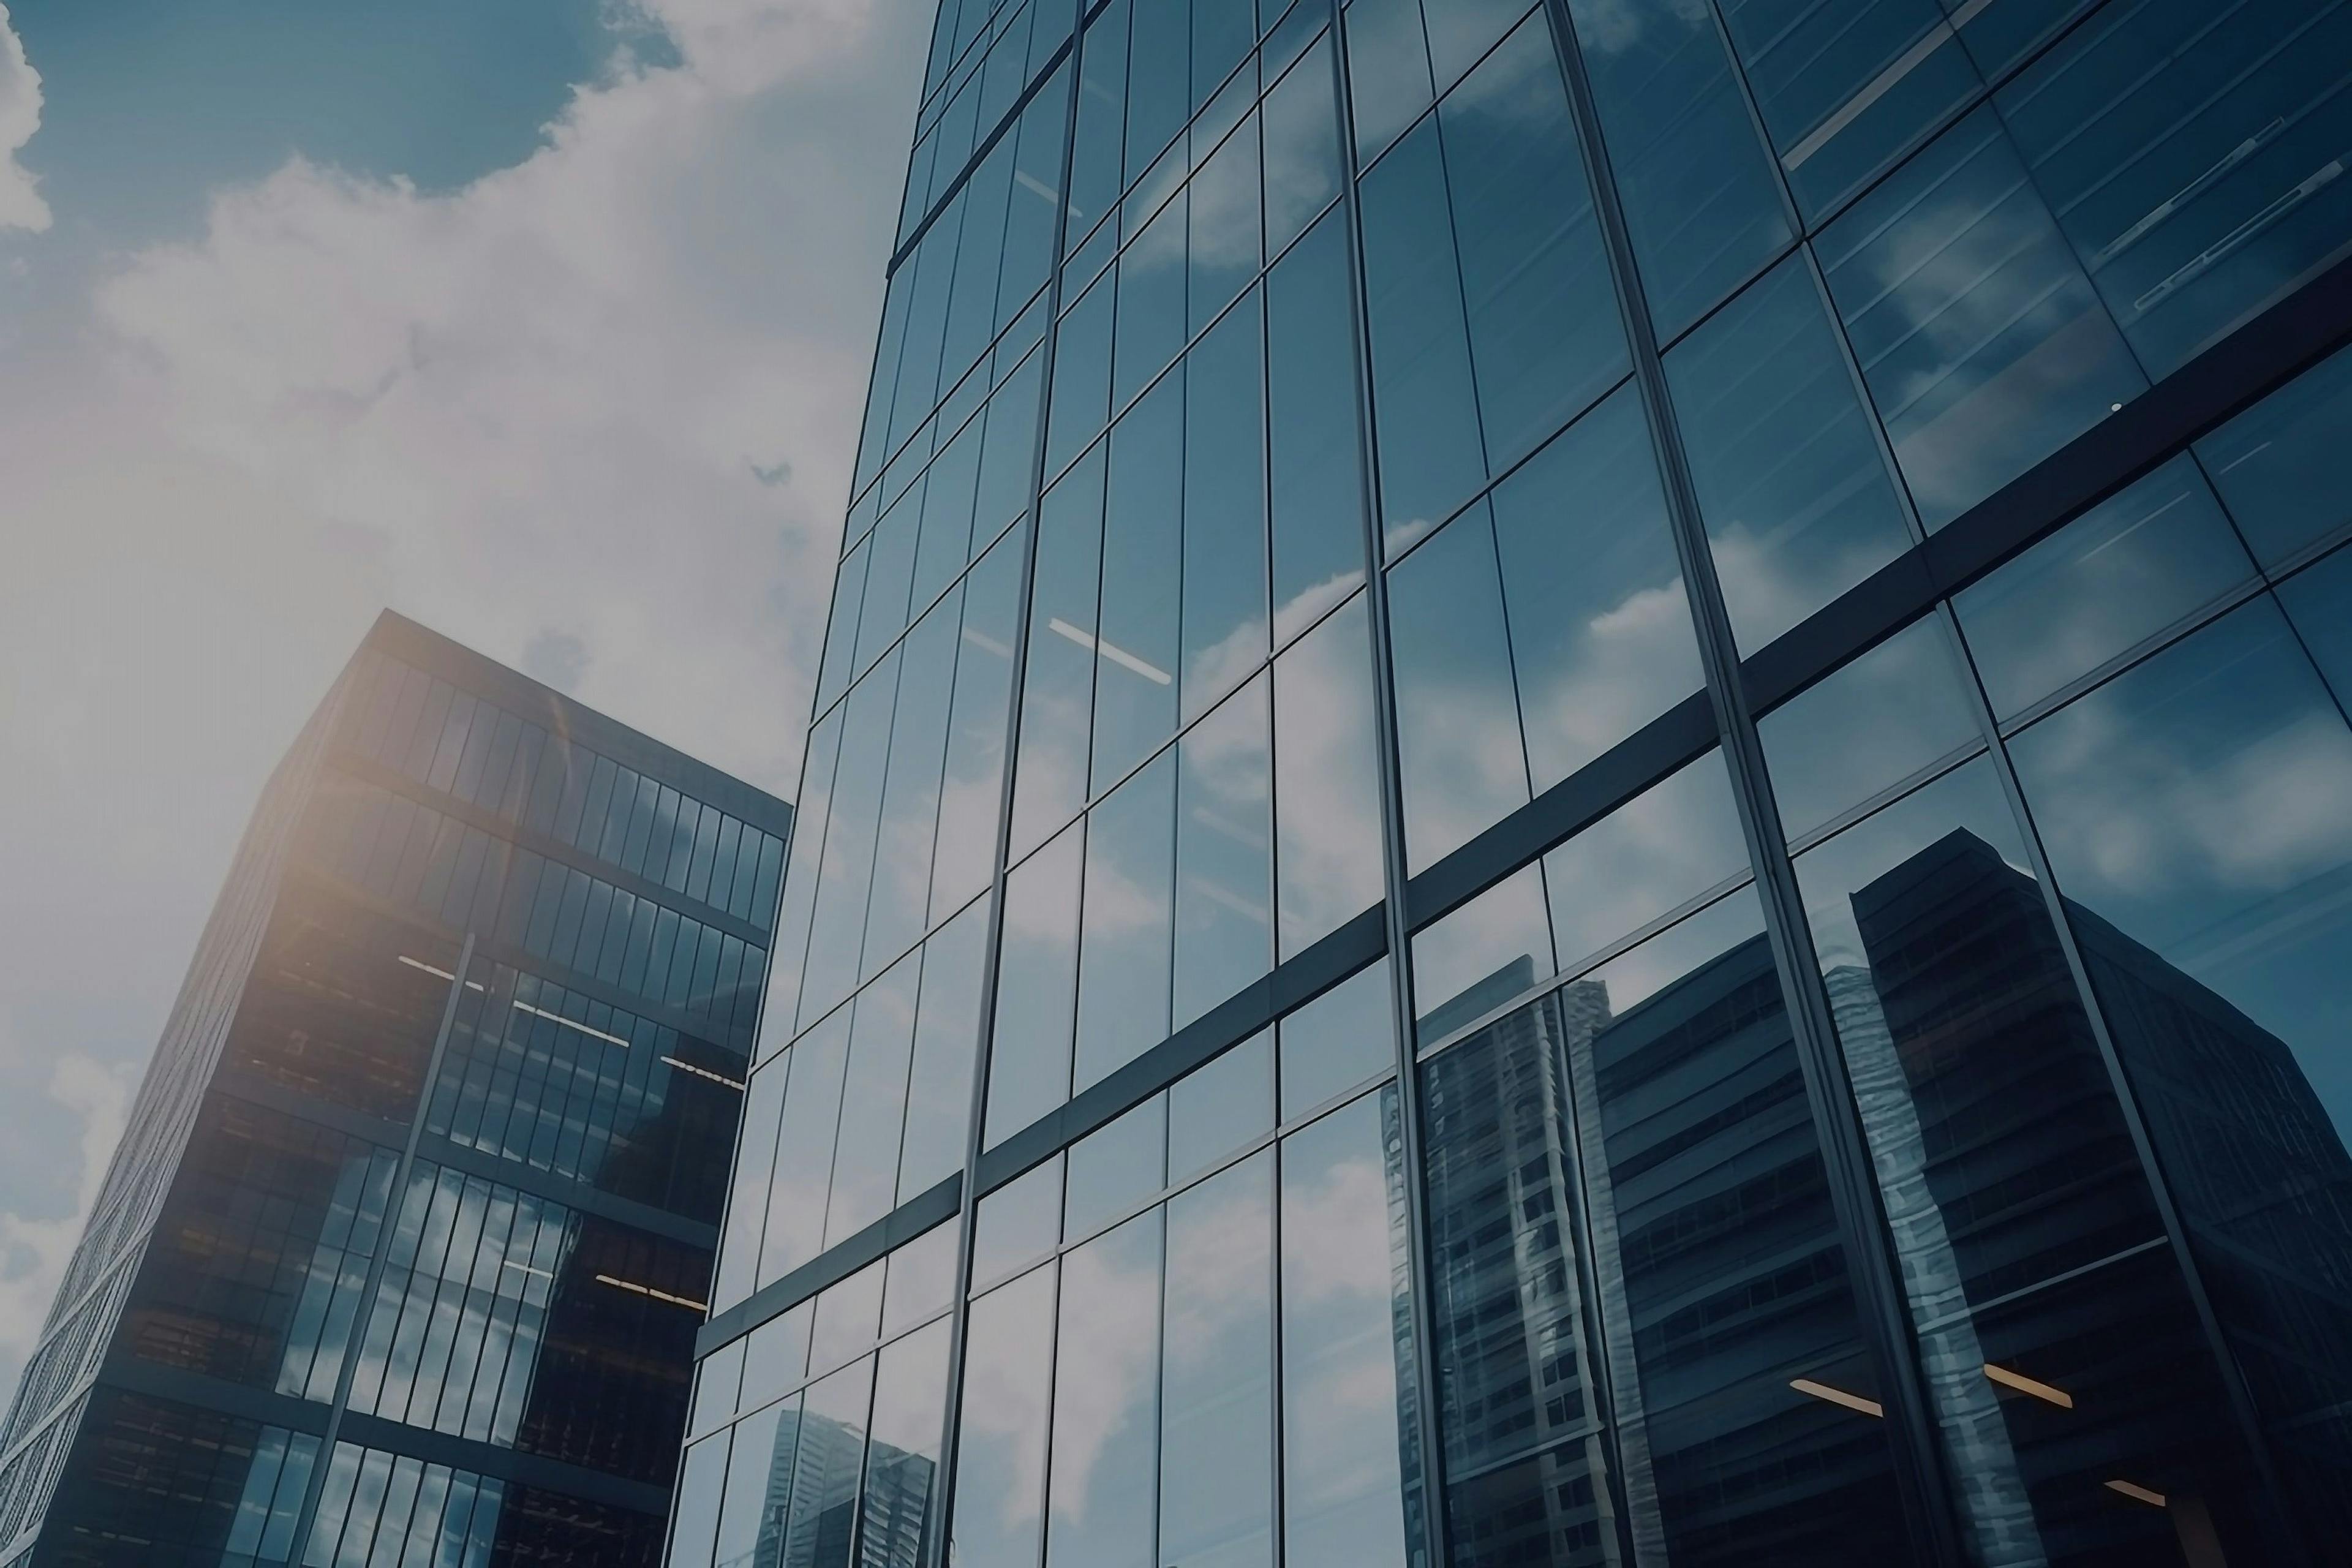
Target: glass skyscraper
403,1254
1581,794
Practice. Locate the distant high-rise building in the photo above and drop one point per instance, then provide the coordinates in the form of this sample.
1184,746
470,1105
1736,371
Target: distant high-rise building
1579,795
403,1254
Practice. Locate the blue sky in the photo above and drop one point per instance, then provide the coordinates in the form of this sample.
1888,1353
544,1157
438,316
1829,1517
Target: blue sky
545,322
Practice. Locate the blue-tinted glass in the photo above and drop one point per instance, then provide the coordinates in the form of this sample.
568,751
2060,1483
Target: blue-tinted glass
1216,1109
796,1193
1216,1392
1150,302
947,1042
1601,640
1058,684
1846,86
1000,1444
980,249
1224,854
1736,1373
1461,32
2192,813
1347,1442
716,1379
1647,859
1480,956
755,1156
1115,1168
2278,465
1037,986
1499,1151
873,1102
971,790
1225,227
1336,1041
1081,391
1094,158
841,630
1105,1405
2126,570
1142,552
911,790
1425,415
775,1354
848,1314
2004,1159
944,545
1316,482
1158,96
921,1279
1797,504
1984,346
701,1486
1697,190
1033,204
902,1460
1126,930
845,874
760,1466
1223,32
2194,165
1301,120
918,362
1388,72
1018,1223
1457,718
2318,601
1007,452
1224,631
1545,334
1901,708
1327,855
824,1480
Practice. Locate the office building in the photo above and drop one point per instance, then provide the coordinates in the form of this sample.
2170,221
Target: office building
403,1254
1579,795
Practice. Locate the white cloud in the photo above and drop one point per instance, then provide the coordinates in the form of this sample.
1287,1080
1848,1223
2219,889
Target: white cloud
34,1250
21,205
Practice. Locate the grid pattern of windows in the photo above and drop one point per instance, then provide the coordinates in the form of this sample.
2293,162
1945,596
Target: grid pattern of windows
1649,692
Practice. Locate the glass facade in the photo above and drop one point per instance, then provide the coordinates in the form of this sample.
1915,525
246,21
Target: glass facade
1580,795
404,1255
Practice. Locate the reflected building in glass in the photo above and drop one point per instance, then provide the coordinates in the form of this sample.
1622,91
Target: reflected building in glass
403,1254
1579,795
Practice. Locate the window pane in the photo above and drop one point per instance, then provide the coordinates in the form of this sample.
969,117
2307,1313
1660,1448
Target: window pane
2192,812
1224,854
1545,334
921,1278
1216,1431
1326,803
1223,590
1217,1109
1151,329
1001,1436
832,1440
947,1042
1797,502
873,1102
1301,120
1388,72
1602,639
847,871
759,1485
2318,600
2194,163
1018,1223
699,1489
1037,977
1898,710
1348,1441
1650,857
1457,716
1339,1040
911,792
971,793
796,1193
1049,783
1142,556
747,1209
2276,464
2126,570
1984,346
1106,1406
1316,484
1425,414
1116,1167
1225,222
902,1460
1125,946
1080,400
1697,192
1473,961
775,1356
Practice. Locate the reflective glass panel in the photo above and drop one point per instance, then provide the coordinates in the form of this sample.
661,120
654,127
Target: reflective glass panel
946,1043
1336,1041
1216,1390
1037,986
1225,853
796,1193
1478,957
1301,120
902,1456
1106,1403
1001,1436
1217,1109
971,792
1057,685
1898,709
1124,949
873,1102
1650,857
2277,464
1224,610
1020,1221
1114,1168
1326,799
1316,485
